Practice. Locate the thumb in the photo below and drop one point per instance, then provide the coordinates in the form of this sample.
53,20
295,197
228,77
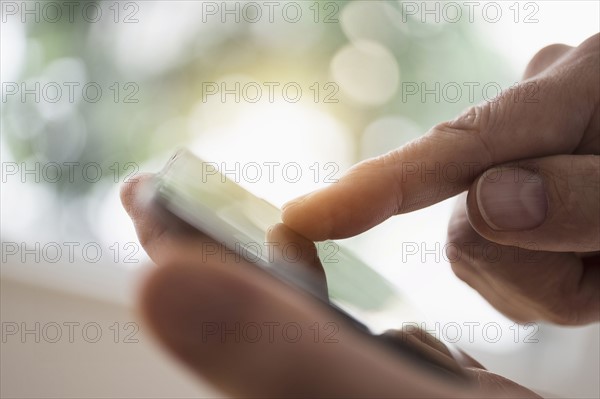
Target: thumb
550,203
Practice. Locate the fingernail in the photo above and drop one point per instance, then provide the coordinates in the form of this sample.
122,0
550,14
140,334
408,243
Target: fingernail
293,202
512,199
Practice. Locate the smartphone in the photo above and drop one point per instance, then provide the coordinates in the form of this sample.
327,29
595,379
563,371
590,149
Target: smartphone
197,193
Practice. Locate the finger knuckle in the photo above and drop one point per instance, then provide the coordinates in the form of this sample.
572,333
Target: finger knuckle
545,57
591,44
562,312
474,129
566,304
463,271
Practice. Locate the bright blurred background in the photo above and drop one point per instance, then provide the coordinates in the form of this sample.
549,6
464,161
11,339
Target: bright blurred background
157,65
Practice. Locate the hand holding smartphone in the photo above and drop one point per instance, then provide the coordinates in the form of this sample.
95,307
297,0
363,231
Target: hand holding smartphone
194,191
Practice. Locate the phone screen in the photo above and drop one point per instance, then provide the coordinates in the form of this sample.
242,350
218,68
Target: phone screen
198,193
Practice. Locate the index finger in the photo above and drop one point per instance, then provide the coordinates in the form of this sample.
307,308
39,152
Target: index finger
546,115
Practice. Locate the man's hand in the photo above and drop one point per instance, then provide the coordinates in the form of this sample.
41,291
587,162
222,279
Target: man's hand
552,148
529,161
225,319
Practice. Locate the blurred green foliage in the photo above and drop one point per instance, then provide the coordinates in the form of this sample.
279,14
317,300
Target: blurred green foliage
110,131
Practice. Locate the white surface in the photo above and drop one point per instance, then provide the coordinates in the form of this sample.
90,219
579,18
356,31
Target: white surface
82,368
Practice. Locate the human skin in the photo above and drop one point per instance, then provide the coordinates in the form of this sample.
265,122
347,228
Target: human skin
191,289
554,142
530,179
